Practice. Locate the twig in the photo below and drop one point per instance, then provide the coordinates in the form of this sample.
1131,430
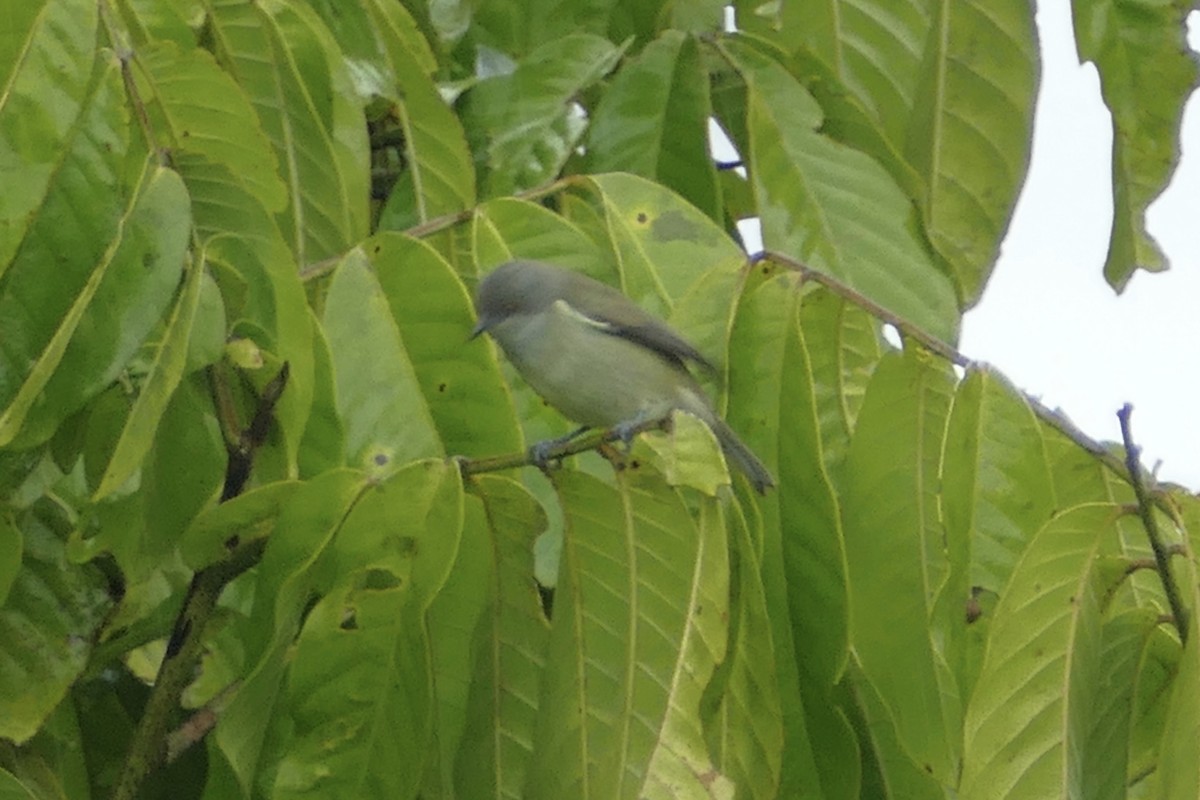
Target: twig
318,269
1162,559
149,746
198,725
593,441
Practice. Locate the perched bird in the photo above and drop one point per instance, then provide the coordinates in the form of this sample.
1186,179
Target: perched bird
597,357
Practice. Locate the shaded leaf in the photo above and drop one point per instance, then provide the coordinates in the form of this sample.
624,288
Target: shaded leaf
653,121
47,626
281,56
510,644
48,49
523,126
360,683
166,370
73,340
438,175
288,577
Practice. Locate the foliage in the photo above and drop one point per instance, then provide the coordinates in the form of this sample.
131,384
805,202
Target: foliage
243,434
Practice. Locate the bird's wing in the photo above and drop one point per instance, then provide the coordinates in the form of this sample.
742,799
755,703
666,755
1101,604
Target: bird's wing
614,313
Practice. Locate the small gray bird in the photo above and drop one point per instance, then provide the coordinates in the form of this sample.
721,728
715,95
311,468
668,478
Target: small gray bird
596,356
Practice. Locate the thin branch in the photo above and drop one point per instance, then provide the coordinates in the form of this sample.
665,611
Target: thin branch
198,725
593,441
935,345
1161,550
906,328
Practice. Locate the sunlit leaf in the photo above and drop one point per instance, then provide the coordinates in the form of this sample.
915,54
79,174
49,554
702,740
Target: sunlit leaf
1034,703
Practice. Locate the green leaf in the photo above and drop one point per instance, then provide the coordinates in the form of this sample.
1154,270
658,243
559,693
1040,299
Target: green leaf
1152,697
241,239
204,112
745,729
183,471
761,327
894,554
508,228
518,27
324,444
287,578
523,126
893,773
387,419
874,47
361,682
639,625
1179,757
70,342
661,243
359,41
47,50
1147,71
972,129
47,626
809,513
463,390
11,547
454,616
283,58
844,347
152,20
249,516
996,494
166,370
509,647
996,482
653,121
815,195
438,175
13,789
1034,703
1106,754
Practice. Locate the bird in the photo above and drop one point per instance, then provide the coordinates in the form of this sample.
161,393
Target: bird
598,357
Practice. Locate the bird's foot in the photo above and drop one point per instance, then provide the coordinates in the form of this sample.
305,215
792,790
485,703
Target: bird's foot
540,453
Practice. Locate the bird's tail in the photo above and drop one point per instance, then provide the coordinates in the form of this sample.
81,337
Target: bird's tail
741,456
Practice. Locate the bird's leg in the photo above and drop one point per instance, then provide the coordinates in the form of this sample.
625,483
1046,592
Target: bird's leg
539,453
626,430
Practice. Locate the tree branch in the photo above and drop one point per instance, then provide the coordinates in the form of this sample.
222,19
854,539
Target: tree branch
1162,561
149,747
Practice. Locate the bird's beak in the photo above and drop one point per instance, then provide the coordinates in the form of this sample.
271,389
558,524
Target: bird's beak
482,325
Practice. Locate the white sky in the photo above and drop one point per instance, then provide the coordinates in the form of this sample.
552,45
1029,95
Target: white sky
1050,322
